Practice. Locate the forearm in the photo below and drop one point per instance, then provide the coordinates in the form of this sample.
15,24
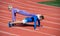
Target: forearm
35,19
38,22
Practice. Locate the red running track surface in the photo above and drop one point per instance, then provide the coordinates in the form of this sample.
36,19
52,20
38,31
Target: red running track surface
39,0
51,23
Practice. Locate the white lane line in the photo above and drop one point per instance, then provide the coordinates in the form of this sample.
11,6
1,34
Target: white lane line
34,31
52,17
29,5
22,3
33,9
8,33
28,8
51,22
42,20
35,6
44,15
5,2
31,30
33,3
42,4
51,28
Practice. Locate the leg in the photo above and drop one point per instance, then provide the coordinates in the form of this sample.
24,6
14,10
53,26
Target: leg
16,22
13,16
10,24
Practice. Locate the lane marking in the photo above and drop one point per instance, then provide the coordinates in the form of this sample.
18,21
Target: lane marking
51,28
24,4
42,20
44,15
43,4
51,22
34,31
9,33
30,30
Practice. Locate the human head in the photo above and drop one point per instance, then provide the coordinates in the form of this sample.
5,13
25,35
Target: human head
41,17
10,7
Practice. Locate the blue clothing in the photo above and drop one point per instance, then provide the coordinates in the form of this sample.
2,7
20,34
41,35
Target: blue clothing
33,19
15,10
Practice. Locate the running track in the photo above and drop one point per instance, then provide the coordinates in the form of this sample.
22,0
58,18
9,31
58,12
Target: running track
51,23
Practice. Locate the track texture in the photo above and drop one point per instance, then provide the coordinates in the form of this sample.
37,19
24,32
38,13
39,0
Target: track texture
51,23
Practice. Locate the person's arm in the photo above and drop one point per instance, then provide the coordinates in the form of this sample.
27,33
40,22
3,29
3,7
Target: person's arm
38,22
35,20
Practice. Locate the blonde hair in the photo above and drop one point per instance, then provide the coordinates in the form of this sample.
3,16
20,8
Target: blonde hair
10,7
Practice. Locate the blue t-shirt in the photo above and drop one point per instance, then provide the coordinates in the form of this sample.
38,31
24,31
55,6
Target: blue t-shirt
32,19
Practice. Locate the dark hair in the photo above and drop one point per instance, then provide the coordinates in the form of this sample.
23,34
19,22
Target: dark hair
42,17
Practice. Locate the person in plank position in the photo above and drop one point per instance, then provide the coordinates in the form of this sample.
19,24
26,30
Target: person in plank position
33,17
